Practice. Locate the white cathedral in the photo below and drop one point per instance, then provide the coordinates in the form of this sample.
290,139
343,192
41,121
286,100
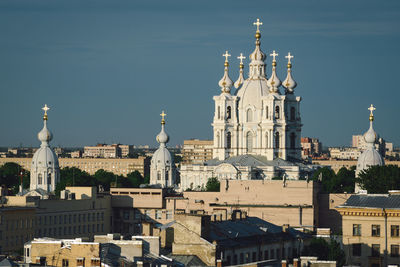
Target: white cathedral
257,128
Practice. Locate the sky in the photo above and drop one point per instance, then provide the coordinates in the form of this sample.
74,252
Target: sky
108,68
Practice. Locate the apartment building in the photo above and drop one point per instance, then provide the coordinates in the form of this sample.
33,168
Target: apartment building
81,211
371,229
119,166
310,147
197,151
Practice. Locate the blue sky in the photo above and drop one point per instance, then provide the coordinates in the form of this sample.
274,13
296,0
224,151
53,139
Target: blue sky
108,68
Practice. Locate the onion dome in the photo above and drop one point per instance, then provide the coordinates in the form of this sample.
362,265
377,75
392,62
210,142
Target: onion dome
273,81
45,135
162,137
289,83
240,80
370,156
257,58
226,83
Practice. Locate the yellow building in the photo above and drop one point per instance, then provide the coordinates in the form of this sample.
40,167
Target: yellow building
371,229
91,165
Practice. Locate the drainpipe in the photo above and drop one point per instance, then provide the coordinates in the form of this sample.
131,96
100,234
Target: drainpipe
386,241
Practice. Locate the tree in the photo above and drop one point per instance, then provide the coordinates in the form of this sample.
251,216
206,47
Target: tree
105,178
379,179
212,185
133,179
341,182
10,176
325,251
72,176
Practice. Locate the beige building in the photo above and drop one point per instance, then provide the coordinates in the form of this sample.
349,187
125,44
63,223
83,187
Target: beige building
371,229
91,165
80,212
310,147
197,151
344,153
102,151
276,201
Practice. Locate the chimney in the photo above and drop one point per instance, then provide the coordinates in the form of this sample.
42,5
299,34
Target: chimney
284,263
219,263
295,262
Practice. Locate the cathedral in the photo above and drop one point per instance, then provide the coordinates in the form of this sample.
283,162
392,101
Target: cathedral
256,126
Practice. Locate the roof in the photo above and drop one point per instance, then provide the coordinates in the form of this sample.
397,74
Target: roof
246,231
253,161
7,262
187,260
379,201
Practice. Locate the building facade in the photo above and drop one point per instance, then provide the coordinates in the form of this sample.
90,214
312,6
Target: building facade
197,151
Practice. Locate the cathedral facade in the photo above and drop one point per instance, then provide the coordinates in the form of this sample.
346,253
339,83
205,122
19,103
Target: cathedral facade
256,128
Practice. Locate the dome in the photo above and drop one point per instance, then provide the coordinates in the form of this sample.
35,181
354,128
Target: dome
370,135
251,92
162,137
369,157
161,157
45,135
45,157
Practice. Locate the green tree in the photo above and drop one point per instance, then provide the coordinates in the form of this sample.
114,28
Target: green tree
379,179
133,179
105,178
212,185
345,181
10,176
325,251
72,176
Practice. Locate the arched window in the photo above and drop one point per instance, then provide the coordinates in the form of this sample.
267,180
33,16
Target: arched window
49,178
166,175
292,114
40,178
266,112
277,141
277,113
249,141
228,113
158,175
292,140
228,140
249,115
219,112
266,139
218,143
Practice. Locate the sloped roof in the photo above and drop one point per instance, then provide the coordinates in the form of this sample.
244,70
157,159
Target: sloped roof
187,260
7,262
252,161
373,201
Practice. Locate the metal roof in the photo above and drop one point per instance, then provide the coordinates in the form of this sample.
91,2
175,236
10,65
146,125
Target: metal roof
380,201
252,161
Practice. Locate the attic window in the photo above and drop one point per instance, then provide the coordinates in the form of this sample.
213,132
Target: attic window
49,162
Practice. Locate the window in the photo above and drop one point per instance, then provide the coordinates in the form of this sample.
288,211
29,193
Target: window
356,229
241,258
249,115
219,112
277,112
394,251
169,214
126,215
95,262
80,262
266,112
376,230
375,250
158,214
266,255
394,230
158,175
292,141
254,258
292,114
65,263
356,248
272,254
40,177
228,140
249,141
277,141
228,113
49,178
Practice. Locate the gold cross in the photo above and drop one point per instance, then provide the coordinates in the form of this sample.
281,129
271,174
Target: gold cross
45,108
163,115
241,57
273,55
226,55
258,23
289,57
371,109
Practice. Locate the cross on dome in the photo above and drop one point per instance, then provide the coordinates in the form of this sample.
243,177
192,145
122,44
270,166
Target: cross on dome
289,57
258,23
241,57
372,109
45,108
226,55
273,55
163,114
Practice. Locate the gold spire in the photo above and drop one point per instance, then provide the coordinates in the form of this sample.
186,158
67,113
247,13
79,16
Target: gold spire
45,108
163,117
241,57
226,55
371,115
